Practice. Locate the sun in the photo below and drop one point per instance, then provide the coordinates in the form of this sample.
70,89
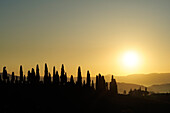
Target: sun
130,59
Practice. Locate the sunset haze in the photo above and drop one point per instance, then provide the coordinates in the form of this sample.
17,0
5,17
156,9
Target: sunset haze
92,34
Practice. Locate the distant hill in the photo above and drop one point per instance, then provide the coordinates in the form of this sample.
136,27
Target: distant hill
162,88
145,79
156,82
127,86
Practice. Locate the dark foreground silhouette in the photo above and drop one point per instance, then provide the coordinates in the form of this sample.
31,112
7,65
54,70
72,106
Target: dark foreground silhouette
57,94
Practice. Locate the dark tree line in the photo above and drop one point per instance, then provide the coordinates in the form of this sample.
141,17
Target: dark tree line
56,92
33,77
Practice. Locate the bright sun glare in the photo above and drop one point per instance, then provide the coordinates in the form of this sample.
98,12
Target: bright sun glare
130,59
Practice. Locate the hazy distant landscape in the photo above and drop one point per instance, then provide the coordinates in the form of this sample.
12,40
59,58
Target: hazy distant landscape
155,82
145,79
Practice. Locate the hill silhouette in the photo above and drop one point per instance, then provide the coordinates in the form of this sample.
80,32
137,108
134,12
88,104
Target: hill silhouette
128,86
160,88
157,88
145,79
156,82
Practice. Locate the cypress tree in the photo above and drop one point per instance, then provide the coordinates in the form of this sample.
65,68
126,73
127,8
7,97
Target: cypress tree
46,74
4,73
13,78
54,76
49,78
29,77
88,78
65,78
92,84
57,78
37,74
79,78
62,75
71,80
33,76
21,74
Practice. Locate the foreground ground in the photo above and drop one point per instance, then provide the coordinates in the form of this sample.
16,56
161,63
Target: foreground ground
53,100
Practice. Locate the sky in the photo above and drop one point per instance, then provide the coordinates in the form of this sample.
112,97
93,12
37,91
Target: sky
93,34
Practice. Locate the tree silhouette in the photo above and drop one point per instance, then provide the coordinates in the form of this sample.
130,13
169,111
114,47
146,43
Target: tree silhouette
0,78
79,77
21,74
97,82
46,75
8,82
32,76
92,85
29,77
100,83
16,80
63,76
88,78
113,86
49,79
4,73
56,78
84,83
13,78
24,81
71,80
37,74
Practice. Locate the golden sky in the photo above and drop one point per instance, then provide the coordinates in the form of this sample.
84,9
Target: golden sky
92,34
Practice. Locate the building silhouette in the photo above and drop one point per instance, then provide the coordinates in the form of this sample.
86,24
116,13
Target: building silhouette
138,92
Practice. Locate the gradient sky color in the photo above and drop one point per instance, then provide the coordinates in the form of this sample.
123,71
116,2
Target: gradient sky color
93,34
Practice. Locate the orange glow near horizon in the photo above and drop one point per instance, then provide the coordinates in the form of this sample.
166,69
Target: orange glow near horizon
95,35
